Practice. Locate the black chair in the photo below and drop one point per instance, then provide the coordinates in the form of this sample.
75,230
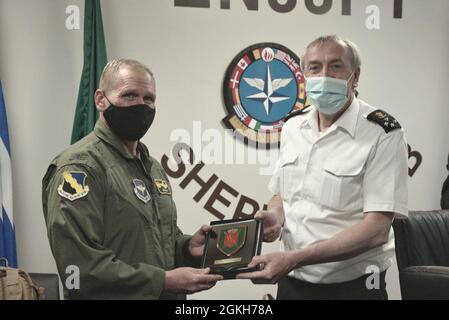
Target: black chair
422,254
50,282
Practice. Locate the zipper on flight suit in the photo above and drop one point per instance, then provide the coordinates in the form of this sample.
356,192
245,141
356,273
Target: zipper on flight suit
154,202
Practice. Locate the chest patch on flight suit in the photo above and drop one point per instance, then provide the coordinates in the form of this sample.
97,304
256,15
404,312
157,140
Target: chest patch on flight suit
162,186
141,190
386,121
73,185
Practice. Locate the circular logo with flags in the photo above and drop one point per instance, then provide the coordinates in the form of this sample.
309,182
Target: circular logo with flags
262,85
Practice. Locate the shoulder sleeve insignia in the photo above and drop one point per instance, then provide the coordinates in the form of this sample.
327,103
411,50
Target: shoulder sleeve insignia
73,185
386,121
297,113
162,186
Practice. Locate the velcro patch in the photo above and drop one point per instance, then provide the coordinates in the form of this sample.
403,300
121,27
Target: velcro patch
141,191
162,186
73,185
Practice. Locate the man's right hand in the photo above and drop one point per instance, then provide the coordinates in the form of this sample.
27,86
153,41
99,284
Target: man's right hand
272,218
189,280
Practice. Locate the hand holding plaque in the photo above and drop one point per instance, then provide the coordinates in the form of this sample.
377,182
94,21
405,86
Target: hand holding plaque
231,245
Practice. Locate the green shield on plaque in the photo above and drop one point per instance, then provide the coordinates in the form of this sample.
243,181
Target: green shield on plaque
231,240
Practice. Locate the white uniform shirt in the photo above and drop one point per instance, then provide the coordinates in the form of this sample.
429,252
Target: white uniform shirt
328,180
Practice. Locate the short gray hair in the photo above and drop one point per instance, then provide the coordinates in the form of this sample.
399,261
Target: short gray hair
349,46
111,69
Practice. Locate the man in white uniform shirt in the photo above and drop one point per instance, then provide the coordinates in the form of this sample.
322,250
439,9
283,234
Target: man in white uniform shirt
341,176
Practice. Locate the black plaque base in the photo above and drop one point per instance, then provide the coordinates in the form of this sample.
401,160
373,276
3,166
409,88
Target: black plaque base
231,245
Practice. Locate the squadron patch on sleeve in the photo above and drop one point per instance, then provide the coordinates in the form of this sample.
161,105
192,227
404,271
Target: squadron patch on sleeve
162,186
73,185
386,121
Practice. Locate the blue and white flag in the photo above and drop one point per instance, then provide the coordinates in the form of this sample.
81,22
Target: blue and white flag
7,235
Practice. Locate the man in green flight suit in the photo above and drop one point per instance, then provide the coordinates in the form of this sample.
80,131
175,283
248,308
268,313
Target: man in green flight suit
108,204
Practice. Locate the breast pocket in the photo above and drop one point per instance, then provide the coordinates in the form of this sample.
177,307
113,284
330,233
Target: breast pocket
290,177
342,185
131,214
167,209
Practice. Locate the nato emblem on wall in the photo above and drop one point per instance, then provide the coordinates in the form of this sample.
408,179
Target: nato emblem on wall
262,85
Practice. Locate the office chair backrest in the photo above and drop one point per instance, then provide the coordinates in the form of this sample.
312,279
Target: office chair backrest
422,238
422,253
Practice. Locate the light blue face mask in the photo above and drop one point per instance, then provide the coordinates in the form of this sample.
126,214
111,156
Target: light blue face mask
329,95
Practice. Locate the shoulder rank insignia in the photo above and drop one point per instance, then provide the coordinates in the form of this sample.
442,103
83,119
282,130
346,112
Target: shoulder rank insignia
141,190
73,185
386,121
162,186
297,113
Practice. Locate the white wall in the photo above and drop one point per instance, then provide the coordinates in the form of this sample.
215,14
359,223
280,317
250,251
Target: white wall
404,71
40,67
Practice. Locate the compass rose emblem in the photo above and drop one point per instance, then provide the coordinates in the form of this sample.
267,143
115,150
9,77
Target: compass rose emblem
263,84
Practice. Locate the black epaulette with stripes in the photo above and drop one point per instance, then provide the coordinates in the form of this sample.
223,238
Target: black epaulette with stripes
297,113
386,121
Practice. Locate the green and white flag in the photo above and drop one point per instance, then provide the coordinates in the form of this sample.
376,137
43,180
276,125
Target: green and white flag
95,59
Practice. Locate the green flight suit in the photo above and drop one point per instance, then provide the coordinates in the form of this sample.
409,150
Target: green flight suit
112,215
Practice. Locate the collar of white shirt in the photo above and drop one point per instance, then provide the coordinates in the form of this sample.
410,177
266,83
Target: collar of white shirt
347,121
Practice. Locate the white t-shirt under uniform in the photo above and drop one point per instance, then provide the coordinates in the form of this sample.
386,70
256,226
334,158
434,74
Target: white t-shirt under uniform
328,180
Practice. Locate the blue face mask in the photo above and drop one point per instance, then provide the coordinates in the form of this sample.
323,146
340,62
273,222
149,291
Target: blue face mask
329,95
